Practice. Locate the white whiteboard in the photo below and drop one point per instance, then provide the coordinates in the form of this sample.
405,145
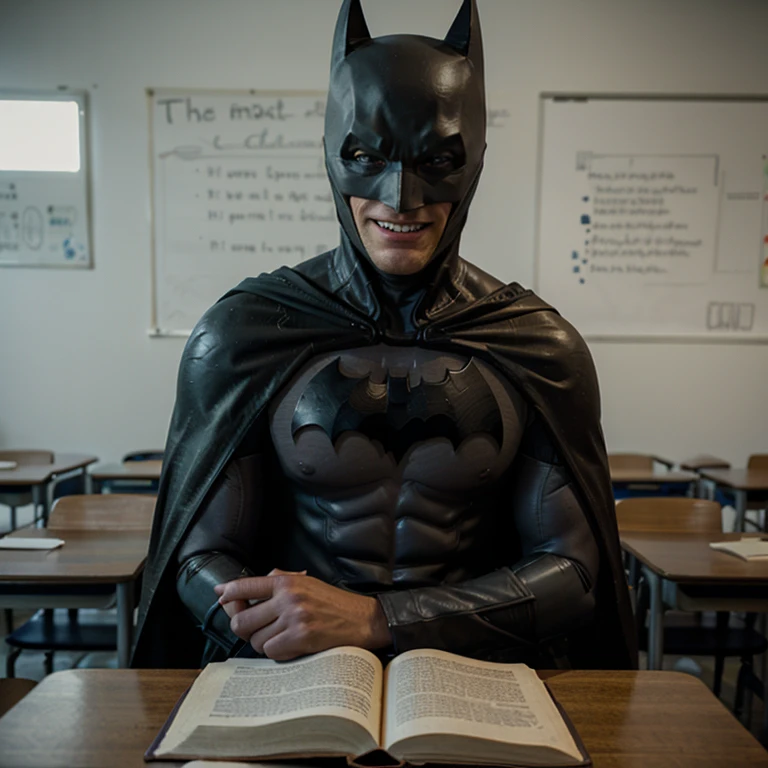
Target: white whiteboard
44,214
239,188
653,216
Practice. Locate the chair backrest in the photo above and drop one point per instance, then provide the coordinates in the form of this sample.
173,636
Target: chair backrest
630,461
668,515
27,457
758,461
108,511
149,455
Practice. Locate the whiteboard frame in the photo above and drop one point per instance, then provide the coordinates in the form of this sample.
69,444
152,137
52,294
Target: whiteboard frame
81,97
154,331
544,96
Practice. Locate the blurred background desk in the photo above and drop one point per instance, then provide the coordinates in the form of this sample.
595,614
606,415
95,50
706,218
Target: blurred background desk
128,477
39,478
88,557
744,485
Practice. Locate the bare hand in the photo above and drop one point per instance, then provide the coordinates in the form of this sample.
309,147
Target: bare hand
298,614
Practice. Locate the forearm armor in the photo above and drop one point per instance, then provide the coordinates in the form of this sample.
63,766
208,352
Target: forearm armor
217,547
520,608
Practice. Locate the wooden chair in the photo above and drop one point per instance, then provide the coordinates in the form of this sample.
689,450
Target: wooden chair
630,461
11,497
758,461
669,515
759,501
97,512
49,630
686,515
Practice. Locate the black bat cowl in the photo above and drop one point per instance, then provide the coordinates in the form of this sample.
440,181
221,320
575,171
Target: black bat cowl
399,100
404,101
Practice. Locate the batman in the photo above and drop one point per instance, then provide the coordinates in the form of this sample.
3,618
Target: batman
386,421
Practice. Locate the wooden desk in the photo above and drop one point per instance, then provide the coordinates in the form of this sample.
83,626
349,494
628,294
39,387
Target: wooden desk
704,461
716,580
683,571
130,471
87,557
41,479
739,482
96,718
648,480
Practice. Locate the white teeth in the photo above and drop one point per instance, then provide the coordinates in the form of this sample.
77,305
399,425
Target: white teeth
400,227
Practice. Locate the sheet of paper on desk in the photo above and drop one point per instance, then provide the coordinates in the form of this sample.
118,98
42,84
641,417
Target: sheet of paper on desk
229,764
8,465
752,548
17,542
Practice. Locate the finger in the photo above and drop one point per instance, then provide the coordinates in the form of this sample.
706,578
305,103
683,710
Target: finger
250,588
234,607
261,636
254,618
279,572
282,647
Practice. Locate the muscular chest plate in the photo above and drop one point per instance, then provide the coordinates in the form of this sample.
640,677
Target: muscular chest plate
392,455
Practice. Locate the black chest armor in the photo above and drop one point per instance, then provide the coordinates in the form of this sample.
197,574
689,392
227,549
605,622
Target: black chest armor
395,458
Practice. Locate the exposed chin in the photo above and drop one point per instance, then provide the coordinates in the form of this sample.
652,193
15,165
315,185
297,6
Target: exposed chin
399,261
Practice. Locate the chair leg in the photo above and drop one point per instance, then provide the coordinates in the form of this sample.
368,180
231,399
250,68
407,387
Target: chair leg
10,662
723,618
13,518
741,681
718,681
48,662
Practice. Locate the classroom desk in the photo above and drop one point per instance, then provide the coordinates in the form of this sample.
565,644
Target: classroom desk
87,557
682,569
740,483
648,480
129,472
41,479
96,718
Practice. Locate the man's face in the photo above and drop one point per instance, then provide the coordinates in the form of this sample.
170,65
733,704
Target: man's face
399,243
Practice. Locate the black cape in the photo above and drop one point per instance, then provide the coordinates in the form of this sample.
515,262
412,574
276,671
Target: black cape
261,333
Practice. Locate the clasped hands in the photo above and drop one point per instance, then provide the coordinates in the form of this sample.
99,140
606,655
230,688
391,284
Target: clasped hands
288,614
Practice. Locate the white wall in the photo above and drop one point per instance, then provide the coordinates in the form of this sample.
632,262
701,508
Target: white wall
77,369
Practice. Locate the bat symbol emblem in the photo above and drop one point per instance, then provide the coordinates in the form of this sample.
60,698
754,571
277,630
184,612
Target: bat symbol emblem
396,413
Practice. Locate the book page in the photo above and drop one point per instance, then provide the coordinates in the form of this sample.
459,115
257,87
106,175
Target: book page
434,692
342,682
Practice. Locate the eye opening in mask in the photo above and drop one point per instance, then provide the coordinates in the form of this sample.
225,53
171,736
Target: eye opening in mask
444,158
360,157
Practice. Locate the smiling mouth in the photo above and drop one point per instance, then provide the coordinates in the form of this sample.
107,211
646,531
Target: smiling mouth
401,228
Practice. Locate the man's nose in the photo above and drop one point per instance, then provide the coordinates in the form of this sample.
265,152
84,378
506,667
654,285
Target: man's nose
402,190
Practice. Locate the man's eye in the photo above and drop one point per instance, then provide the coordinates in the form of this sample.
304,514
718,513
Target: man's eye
369,161
442,161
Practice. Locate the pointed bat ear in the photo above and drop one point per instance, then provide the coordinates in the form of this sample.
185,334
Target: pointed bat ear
351,31
464,34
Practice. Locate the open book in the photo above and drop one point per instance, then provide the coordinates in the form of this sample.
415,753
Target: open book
426,706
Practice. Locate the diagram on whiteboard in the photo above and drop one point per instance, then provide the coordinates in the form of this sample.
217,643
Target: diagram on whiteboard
647,216
653,216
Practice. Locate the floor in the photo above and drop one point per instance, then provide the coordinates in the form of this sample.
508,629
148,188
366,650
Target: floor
31,664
